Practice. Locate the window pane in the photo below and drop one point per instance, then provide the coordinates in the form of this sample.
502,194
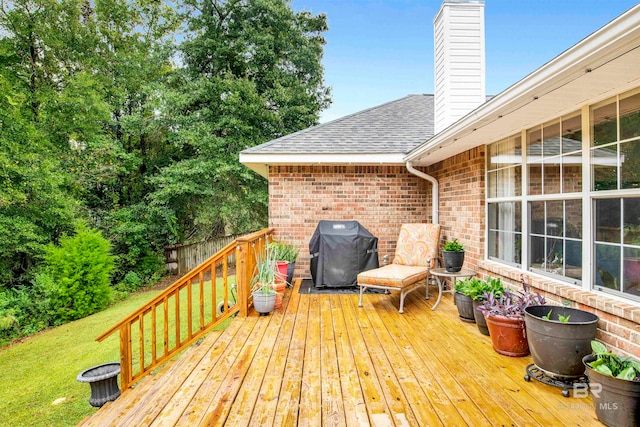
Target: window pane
630,117
572,134
630,164
572,173
492,184
536,211
555,215
573,259
505,246
604,121
535,179
607,265
554,262
551,139
505,153
631,221
536,252
608,220
505,216
534,145
552,175
573,219
631,266
605,172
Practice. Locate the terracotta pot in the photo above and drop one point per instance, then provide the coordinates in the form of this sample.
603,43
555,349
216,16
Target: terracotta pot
279,287
508,335
281,274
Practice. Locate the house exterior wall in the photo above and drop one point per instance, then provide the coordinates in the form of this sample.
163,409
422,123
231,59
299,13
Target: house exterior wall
381,198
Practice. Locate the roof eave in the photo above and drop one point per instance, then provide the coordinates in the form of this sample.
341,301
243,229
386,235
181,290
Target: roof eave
486,123
260,162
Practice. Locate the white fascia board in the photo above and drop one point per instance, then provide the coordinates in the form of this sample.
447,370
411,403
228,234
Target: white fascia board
260,162
613,40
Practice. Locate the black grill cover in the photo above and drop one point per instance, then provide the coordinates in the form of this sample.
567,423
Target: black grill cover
339,251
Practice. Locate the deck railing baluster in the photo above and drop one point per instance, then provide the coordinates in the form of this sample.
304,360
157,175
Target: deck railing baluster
244,249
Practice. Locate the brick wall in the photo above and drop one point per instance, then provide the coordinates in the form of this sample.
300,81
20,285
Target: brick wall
462,201
381,198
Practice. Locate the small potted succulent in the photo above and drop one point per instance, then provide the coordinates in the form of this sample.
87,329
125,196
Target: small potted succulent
505,319
453,255
615,386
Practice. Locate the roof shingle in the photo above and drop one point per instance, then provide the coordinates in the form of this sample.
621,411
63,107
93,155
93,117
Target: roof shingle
394,127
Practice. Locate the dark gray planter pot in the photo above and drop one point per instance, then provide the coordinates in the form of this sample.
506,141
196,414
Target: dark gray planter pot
480,320
465,308
290,269
615,400
264,304
453,261
558,347
103,380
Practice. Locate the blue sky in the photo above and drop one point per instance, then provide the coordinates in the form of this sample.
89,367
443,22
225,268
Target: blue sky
381,50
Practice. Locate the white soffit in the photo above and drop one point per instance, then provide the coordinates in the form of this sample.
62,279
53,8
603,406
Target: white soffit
260,162
600,66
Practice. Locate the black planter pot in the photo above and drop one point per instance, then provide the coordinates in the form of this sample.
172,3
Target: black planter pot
103,380
480,320
453,261
290,269
558,347
465,308
615,400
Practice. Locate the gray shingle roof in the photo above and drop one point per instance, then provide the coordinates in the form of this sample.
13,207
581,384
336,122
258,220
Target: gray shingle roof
395,127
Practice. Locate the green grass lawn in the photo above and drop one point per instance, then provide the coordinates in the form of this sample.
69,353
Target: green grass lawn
38,384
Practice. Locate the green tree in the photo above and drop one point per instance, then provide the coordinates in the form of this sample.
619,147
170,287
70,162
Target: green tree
77,274
252,73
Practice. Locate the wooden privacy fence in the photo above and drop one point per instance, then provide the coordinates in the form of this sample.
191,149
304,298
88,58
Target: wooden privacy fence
186,310
184,258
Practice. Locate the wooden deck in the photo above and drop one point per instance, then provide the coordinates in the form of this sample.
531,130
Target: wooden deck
322,360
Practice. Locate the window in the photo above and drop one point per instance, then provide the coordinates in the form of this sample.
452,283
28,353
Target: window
535,179
615,163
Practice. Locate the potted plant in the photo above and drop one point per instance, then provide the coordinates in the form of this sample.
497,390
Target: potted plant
505,319
285,255
559,337
615,386
453,256
463,299
478,290
264,296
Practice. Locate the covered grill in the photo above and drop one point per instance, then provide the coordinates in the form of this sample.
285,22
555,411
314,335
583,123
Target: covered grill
339,251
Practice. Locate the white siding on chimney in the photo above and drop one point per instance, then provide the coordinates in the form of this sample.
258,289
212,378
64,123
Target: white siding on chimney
459,60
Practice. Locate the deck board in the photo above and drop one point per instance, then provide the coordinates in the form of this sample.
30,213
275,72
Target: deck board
322,360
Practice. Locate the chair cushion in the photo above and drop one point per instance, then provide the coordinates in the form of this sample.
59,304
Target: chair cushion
417,244
393,275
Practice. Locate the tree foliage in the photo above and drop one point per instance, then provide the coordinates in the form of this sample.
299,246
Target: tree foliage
104,119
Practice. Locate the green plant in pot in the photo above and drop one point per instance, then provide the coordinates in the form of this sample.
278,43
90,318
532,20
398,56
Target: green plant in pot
559,337
505,319
614,382
264,296
453,256
285,253
478,290
463,300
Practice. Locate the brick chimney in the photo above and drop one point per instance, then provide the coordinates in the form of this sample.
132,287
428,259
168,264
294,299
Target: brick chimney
459,60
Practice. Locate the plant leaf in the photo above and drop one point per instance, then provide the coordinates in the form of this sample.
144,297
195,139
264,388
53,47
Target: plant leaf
598,347
603,369
627,374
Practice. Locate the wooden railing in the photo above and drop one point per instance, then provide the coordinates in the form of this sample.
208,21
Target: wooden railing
186,310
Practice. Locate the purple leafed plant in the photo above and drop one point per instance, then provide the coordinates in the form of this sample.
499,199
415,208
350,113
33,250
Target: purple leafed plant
511,303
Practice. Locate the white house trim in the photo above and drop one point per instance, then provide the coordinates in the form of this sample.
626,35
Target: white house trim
260,162
601,65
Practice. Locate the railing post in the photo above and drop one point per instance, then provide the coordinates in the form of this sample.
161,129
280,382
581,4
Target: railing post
243,275
125,357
